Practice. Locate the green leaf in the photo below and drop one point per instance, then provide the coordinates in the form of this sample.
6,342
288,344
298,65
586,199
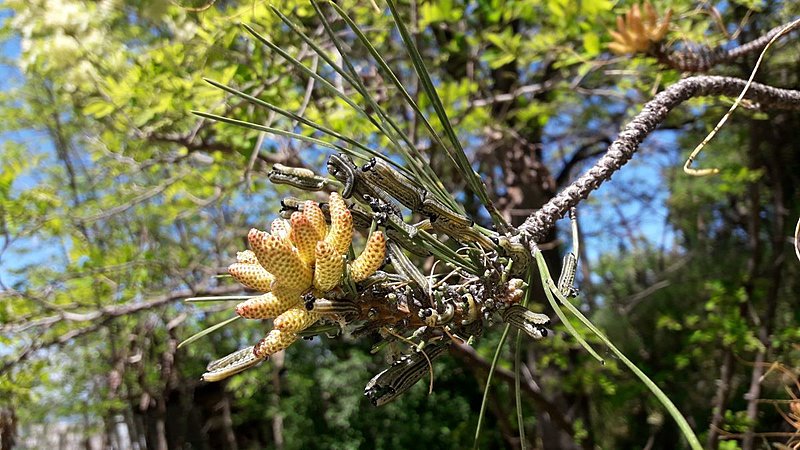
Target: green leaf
98,108
591,43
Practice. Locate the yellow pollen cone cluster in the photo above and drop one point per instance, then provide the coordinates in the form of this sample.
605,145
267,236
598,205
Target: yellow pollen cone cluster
638,30
294,257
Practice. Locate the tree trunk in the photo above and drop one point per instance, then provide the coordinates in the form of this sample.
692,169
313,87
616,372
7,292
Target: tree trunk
720,399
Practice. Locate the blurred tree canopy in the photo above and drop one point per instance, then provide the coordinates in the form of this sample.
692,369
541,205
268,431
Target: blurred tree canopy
116,203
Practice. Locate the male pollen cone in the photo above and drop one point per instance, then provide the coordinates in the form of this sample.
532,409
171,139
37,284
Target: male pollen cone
328,271
267,306
315,215
295,320
281,260
340,234
275,341
254,237
370,259
252,276
304,236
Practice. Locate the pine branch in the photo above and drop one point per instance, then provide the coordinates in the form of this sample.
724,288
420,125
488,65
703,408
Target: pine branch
654,113
702,59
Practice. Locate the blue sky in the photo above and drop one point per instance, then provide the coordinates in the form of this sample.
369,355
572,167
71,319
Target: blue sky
29,250
9,77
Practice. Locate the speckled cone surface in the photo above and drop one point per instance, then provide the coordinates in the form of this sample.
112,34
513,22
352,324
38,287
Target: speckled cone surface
280,229
340,234
317,218
252,275
328,271
295,320
275,341
282,261
254,237
267,306
370,259
304,236
246,257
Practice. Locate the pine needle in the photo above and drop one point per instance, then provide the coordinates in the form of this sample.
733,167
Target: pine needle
219,298
207,331
365,152
457,152
437,187
550,286
545,276
257,127
484,402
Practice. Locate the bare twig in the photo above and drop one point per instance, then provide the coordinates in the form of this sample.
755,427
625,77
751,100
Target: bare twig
99,317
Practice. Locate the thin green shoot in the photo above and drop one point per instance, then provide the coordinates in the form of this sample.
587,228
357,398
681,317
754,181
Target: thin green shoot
518,391
518,365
